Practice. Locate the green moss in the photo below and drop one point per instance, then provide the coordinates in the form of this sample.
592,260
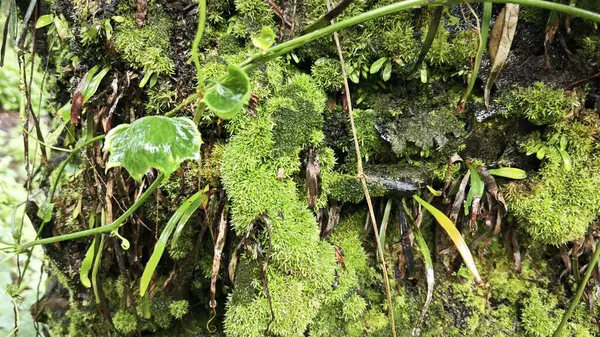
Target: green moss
540,316
327,75
297,114
301,270
146,48
558,205
125,322
161,98
540,104
590,49
369,140
179,309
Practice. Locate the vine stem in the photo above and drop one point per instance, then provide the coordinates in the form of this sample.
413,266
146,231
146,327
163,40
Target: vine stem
580,290
98,230
280,49
363,181
197,39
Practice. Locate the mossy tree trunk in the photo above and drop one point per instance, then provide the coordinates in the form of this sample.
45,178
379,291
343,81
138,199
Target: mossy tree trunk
296,264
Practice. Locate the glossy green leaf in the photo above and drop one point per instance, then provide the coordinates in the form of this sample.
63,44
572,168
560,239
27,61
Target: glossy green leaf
541,153
118,19
45,213
178,219
86,265
265,39
387,71
566,159
455,236
354,76
153,142
44,20
65,112
93,82
108,29
146,78
227,97
476,188
61,28
376,66
509,172
187,214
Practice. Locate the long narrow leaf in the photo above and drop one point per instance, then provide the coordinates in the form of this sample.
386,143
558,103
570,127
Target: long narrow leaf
509,172
160,245
384,222
455,236
485,29
86,265
500,42
429,274
434,25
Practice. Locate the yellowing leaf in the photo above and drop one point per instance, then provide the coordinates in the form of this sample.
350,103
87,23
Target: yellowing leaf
500,42
455,236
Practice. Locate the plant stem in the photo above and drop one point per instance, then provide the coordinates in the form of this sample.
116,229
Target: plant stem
98,230
580,290
280,49
183,104
483,36
197,39
363,180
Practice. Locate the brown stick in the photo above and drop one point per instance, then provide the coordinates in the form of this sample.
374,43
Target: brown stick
362,177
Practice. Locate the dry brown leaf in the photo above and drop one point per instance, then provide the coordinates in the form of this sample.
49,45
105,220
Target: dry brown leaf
500,42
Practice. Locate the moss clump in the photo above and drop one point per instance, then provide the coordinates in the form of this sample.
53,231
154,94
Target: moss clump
125,322
540,104
558,205
590,49
326,73
301,268
297,114
146,48
178,309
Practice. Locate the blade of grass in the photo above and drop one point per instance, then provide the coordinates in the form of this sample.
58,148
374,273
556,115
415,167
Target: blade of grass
363,180
189,206
434,25
483,36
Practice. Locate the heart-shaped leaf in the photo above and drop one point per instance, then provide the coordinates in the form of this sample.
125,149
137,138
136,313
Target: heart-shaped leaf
265,39
153,142
227,97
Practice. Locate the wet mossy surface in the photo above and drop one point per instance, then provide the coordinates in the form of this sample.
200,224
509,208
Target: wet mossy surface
255,166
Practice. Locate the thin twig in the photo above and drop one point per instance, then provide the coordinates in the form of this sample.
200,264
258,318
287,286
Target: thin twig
363,180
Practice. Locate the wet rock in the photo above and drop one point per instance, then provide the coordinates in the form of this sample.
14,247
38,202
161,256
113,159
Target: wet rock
398,181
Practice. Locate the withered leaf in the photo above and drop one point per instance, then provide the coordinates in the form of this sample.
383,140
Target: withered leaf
500,42
76,107
141,12
313,178
339,256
